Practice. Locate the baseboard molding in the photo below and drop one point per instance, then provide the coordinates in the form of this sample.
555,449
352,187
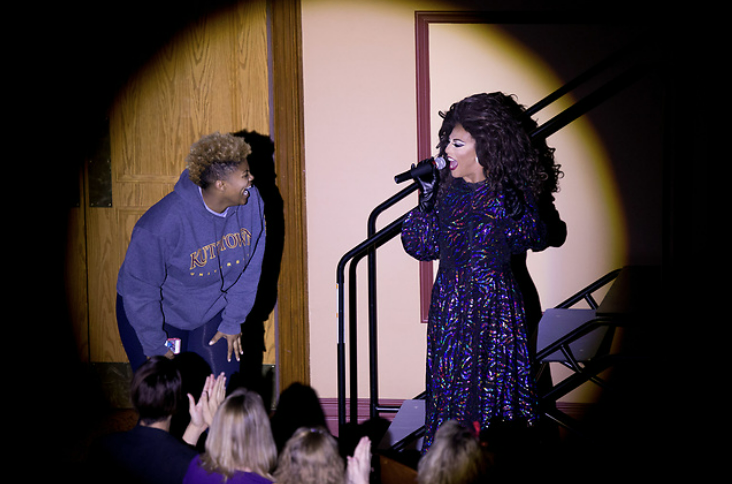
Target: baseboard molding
113,380
363,410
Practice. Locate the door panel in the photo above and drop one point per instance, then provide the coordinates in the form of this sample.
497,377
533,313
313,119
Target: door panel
212,76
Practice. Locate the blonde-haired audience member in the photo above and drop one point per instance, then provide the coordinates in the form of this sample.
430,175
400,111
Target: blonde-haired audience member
311,456
455,457
239,447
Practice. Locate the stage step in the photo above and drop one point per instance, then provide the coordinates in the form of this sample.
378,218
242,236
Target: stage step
408,419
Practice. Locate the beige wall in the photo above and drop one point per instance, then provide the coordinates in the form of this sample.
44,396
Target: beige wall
360,130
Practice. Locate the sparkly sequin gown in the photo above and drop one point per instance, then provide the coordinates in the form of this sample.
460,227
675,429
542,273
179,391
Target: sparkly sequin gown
478,365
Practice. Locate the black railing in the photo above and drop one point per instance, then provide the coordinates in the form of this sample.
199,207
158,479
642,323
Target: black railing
367,247
376,239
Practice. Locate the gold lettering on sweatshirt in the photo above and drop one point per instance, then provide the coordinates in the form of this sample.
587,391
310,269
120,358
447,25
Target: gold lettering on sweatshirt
207,253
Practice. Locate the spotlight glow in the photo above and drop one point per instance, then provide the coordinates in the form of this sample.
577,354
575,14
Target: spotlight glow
469,58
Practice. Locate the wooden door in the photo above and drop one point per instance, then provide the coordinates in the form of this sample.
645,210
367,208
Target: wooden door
211,76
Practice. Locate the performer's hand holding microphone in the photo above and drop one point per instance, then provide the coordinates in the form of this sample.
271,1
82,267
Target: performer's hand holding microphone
426,176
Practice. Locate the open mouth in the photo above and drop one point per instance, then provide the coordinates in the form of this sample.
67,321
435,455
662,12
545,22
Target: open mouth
453,163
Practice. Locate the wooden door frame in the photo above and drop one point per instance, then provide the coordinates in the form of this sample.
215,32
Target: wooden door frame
293,333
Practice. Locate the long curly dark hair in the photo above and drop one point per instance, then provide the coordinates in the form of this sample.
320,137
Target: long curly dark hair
511,159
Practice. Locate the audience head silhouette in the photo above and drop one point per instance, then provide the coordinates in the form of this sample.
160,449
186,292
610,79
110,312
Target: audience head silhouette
311,456
156,390
455,457
298,406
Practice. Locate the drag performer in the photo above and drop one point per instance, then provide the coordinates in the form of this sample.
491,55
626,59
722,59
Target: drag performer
474,215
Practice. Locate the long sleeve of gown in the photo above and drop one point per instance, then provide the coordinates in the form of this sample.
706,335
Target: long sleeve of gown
420,235
527,232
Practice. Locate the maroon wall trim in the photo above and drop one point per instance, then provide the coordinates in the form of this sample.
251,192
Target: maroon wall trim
422,21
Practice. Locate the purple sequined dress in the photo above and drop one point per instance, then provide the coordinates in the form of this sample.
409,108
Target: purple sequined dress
478,365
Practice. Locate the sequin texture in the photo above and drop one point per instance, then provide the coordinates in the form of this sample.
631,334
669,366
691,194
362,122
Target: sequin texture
478,364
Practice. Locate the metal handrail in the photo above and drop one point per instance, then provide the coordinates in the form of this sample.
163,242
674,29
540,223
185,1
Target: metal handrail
355,255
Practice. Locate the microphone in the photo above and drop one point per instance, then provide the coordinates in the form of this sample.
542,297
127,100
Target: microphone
423,168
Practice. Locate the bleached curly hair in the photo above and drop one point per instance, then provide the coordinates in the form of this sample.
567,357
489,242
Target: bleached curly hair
214,156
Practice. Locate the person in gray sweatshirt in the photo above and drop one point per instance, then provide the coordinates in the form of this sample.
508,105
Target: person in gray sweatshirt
190,275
